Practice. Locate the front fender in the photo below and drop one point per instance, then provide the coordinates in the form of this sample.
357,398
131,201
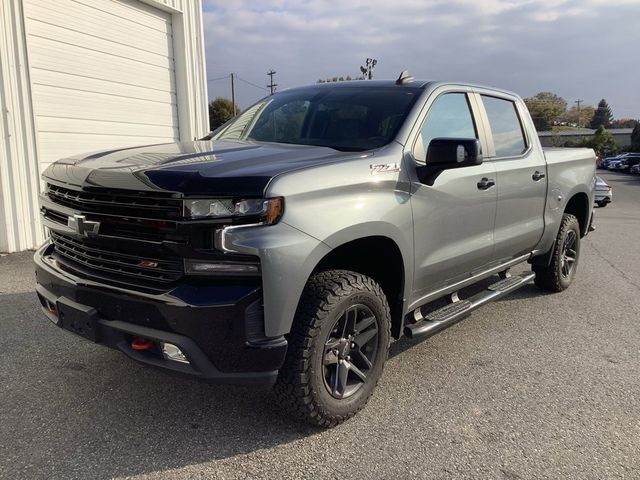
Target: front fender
287,257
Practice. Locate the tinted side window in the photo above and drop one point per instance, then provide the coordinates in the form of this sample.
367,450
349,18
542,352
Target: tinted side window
508,137
449,117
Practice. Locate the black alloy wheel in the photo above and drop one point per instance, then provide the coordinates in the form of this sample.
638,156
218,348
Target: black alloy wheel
350,351
569,254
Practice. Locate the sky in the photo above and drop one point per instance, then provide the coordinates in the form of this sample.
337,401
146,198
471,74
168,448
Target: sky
579,49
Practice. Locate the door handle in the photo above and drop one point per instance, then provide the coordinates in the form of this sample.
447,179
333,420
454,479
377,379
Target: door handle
537,176
486,183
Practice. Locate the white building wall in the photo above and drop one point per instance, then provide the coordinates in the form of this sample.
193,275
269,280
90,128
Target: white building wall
38,127
19,172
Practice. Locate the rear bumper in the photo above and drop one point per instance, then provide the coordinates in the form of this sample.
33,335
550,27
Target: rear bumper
219,328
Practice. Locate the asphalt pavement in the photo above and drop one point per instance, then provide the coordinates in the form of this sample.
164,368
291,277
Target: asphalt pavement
532,386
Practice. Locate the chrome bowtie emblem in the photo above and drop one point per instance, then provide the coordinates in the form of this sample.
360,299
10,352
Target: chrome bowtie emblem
82,226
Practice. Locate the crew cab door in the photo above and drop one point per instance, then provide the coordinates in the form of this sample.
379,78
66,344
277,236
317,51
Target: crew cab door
453,218
521,182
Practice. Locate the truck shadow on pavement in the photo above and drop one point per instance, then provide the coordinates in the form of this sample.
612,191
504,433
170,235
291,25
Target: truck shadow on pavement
82,411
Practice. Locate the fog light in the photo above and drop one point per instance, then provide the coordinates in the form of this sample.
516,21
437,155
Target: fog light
171,352
207,268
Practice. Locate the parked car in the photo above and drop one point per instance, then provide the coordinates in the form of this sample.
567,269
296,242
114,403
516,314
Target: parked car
289,247
604,163
613,165
604,192
628,162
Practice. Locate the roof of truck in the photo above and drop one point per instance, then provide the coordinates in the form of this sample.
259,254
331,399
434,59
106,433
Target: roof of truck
367,83
415,83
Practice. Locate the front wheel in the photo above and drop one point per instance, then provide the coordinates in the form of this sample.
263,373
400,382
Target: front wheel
558,275
337,348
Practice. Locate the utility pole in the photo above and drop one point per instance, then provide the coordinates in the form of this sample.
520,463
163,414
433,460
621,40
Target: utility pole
233,93
578,102
272,86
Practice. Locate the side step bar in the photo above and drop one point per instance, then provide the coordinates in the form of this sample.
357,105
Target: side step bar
448,315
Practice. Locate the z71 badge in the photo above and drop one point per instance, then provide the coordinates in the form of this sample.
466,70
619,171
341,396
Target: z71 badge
384,168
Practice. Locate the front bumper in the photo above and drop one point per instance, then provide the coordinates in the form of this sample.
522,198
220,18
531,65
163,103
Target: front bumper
219,328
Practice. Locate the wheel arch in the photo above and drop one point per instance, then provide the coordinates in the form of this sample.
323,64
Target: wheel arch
378,257
578,206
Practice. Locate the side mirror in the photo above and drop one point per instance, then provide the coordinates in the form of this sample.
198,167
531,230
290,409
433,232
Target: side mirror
447,153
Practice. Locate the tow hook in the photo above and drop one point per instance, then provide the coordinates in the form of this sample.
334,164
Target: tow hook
141,344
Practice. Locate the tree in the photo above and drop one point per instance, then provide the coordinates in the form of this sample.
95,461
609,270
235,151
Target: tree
603,115
635,138
545,108
220,110
586,115
603,142
339,79
624,123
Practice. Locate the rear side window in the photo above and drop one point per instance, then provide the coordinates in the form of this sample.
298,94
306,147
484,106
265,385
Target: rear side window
508,136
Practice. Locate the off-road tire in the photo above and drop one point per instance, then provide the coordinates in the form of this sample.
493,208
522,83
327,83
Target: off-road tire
300,387
551,277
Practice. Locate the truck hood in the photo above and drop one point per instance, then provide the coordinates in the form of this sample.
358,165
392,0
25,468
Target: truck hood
191,168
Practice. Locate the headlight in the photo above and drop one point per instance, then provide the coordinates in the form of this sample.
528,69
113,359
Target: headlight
269,210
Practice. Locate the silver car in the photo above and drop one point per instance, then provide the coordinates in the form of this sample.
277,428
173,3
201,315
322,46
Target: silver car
604,192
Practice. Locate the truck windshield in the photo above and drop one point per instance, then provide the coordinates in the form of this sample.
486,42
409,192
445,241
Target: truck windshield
344,118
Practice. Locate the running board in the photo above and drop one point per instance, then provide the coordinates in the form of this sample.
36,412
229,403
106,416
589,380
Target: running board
448,315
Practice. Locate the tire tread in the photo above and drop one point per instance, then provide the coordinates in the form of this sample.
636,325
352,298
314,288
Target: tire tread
323,292
548,277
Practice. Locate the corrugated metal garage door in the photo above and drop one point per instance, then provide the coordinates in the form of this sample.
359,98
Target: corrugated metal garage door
102,75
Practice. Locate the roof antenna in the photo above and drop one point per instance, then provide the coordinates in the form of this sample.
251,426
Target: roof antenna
404,78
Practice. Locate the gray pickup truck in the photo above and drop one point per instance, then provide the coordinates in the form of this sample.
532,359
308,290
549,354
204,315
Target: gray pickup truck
291,245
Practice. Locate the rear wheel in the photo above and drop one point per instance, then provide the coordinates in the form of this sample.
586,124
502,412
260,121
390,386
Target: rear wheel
602,204
558,275
337,348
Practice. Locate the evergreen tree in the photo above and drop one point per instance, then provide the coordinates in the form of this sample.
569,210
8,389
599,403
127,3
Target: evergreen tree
635,138
603,115
603,142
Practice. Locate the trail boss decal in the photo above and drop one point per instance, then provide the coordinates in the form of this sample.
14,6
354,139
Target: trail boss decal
384,168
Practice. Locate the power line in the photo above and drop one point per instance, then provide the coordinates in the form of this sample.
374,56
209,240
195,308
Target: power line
252,84
216,79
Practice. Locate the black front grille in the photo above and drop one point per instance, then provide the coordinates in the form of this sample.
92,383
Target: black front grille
54,216
114,263
113,202
135,228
